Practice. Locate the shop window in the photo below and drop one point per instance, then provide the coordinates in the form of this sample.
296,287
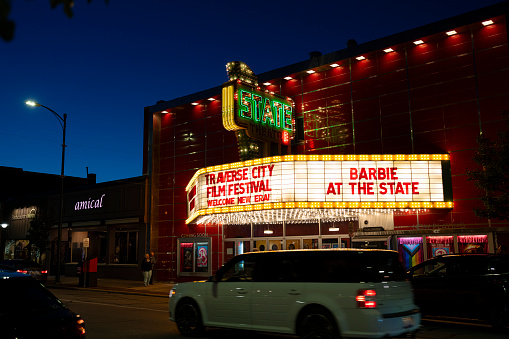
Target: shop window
473,243
309,243
410,250
103,247
330,243
126,247
260,245
193,256
292,244
440,245
16,249
77,251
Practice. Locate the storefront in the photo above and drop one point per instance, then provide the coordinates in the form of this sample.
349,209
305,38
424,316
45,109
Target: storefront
108,217
311,154
23,200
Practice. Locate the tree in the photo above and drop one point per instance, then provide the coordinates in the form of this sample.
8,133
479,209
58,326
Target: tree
7,26
492,176
40,230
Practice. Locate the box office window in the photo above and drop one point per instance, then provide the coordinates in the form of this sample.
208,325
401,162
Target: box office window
193,256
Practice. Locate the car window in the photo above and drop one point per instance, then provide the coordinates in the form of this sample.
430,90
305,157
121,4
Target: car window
354,267
474,266
280,268
433,268
498,265
238,270
330,267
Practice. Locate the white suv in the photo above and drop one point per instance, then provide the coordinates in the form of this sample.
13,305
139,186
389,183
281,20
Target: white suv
312,293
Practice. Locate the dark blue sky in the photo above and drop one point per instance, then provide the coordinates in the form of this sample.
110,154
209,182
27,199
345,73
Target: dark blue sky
108,62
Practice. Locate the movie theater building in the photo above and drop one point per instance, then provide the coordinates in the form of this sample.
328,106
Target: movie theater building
364,147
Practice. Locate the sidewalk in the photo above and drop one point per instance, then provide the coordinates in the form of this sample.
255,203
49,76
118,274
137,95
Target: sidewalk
158,289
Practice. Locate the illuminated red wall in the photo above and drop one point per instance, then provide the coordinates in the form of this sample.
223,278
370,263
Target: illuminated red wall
431,98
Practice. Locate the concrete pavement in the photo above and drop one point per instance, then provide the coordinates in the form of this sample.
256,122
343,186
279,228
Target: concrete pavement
158,289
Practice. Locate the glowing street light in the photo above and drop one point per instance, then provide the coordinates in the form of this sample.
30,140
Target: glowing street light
63,124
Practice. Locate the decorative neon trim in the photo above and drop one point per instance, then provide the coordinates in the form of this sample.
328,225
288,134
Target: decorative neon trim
467,239
410,240
440,239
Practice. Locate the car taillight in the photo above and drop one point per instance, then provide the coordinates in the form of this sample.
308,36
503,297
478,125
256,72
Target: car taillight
44,272
80,326
22,271
366,299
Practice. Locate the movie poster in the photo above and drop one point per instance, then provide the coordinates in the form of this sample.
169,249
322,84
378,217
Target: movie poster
186,255
202,257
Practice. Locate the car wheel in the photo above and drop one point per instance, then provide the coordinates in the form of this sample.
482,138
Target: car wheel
188,319
317,323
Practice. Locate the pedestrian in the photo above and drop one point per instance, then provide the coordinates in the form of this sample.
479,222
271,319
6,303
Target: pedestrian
146,269
153,262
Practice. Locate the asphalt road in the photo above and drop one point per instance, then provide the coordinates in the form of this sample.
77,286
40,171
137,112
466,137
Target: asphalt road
114,315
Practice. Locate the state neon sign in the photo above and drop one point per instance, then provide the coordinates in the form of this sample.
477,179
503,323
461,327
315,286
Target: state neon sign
322,181
264,115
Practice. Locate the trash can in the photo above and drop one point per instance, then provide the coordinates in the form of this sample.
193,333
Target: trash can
88,274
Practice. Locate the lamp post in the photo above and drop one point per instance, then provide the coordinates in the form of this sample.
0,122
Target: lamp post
63,123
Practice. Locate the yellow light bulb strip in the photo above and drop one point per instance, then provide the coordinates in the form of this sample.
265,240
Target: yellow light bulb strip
228,102
325,205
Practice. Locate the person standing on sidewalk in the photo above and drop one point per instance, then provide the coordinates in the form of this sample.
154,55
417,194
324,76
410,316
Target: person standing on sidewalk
153,262
146,269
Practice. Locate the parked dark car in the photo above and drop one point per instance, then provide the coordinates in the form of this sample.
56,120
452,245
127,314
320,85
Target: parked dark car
6,268
472,286
29,310
37,271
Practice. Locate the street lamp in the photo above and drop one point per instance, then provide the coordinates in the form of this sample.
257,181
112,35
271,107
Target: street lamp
63,123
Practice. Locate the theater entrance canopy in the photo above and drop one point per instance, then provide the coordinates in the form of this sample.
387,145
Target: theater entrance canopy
304,188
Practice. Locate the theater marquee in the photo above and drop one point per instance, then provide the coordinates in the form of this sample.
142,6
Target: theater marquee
322,182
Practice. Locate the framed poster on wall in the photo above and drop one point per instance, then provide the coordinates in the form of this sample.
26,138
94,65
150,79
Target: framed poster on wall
193,256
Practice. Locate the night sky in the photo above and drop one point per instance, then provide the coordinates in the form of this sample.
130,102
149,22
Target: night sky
108,62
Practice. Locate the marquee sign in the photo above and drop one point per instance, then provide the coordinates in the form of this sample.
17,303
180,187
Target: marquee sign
265,115
322,181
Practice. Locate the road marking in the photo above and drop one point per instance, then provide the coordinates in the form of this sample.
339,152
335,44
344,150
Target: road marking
112,305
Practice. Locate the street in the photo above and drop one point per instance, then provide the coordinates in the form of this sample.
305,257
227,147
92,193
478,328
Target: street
115,315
